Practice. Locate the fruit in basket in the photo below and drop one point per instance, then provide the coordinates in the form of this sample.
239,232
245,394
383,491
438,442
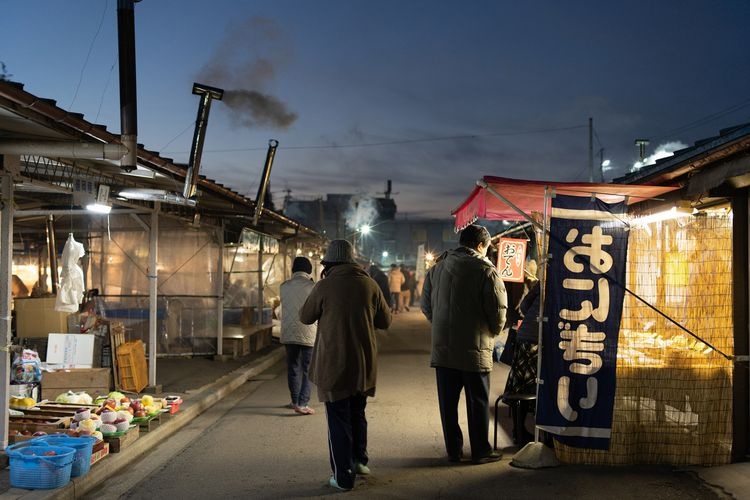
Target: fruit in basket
121,424
147,400
50,453
139,414
87,425
108,429
125,415
82,414
108,416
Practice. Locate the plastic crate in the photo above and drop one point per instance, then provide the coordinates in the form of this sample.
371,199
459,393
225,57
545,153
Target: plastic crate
131,366
33,469
83,445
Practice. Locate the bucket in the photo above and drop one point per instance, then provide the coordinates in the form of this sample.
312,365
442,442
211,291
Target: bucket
39,466
82,444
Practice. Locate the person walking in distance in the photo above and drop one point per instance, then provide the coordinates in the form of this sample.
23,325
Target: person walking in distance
298,338
395,280
348,306
465,300
406,288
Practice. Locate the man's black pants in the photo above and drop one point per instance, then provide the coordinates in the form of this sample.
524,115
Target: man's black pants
476,387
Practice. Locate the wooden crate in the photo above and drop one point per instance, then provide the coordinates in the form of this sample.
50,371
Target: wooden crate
118,443
99,451
131,366
32,424
150,424
94,381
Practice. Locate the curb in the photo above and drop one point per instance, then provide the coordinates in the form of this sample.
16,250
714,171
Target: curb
207,396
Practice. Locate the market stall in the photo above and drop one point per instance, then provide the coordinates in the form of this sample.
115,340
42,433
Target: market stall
670,357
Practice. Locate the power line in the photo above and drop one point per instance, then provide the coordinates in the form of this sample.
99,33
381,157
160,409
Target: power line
88,55
104,92
706,119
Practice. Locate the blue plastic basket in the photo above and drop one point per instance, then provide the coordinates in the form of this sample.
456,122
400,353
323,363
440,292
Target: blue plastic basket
31,469
83,445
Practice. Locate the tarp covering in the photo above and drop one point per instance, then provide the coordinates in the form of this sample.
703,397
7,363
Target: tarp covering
528,196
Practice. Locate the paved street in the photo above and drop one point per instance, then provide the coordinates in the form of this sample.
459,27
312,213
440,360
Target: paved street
249,446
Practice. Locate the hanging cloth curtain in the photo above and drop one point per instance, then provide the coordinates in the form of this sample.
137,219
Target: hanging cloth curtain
71,288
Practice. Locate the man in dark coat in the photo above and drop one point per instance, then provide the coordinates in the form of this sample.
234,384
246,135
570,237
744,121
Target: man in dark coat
348,306
465,300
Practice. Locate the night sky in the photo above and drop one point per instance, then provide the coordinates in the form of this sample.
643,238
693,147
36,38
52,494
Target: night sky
431,94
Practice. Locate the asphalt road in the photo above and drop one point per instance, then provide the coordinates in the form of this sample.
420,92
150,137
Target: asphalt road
250,446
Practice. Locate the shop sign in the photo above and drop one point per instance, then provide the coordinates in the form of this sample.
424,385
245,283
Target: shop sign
583,307
511,256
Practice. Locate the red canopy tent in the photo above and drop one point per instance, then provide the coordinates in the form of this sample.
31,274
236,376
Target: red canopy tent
501,198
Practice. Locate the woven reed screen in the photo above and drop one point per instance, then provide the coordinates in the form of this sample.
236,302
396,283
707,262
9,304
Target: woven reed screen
673,403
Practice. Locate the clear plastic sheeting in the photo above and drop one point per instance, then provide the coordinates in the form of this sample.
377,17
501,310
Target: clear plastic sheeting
243,277
188,282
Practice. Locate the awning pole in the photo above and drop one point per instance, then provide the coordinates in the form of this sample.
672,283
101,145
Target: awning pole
6,271
153,302
540,317
534,455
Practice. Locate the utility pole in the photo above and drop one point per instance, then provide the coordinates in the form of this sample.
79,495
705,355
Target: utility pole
591,149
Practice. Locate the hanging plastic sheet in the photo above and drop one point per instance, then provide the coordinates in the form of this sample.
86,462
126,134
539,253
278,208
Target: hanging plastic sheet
71,288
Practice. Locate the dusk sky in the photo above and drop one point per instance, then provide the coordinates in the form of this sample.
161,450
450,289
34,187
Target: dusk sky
432,94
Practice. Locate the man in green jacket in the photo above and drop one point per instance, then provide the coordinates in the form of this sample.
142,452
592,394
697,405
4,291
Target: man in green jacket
465,300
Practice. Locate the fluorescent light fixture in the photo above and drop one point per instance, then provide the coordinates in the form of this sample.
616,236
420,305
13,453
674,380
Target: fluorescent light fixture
98,208
672,213
141,172
101,204
164,196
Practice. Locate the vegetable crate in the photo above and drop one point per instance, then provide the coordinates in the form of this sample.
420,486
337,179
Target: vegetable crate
31,424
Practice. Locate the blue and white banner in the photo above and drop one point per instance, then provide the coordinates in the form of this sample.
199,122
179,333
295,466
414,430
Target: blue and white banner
588,247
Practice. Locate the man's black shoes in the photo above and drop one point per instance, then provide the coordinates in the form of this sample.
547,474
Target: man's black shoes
493,456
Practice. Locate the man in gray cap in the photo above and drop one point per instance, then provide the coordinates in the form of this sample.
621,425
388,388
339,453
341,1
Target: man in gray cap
465,300
348,306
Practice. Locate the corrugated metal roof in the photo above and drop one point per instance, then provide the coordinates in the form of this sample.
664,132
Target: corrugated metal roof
24,116
704,151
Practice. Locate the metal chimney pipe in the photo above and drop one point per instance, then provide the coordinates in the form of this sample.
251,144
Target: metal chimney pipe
67,149
52,252
641,143
272,145
128,98
207,94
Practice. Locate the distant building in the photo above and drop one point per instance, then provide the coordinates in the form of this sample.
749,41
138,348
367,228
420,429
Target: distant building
390,239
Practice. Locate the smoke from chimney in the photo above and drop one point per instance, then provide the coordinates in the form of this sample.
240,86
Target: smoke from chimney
662,151
252,108
244,64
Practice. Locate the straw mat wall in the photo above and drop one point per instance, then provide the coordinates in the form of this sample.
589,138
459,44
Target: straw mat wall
673,403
